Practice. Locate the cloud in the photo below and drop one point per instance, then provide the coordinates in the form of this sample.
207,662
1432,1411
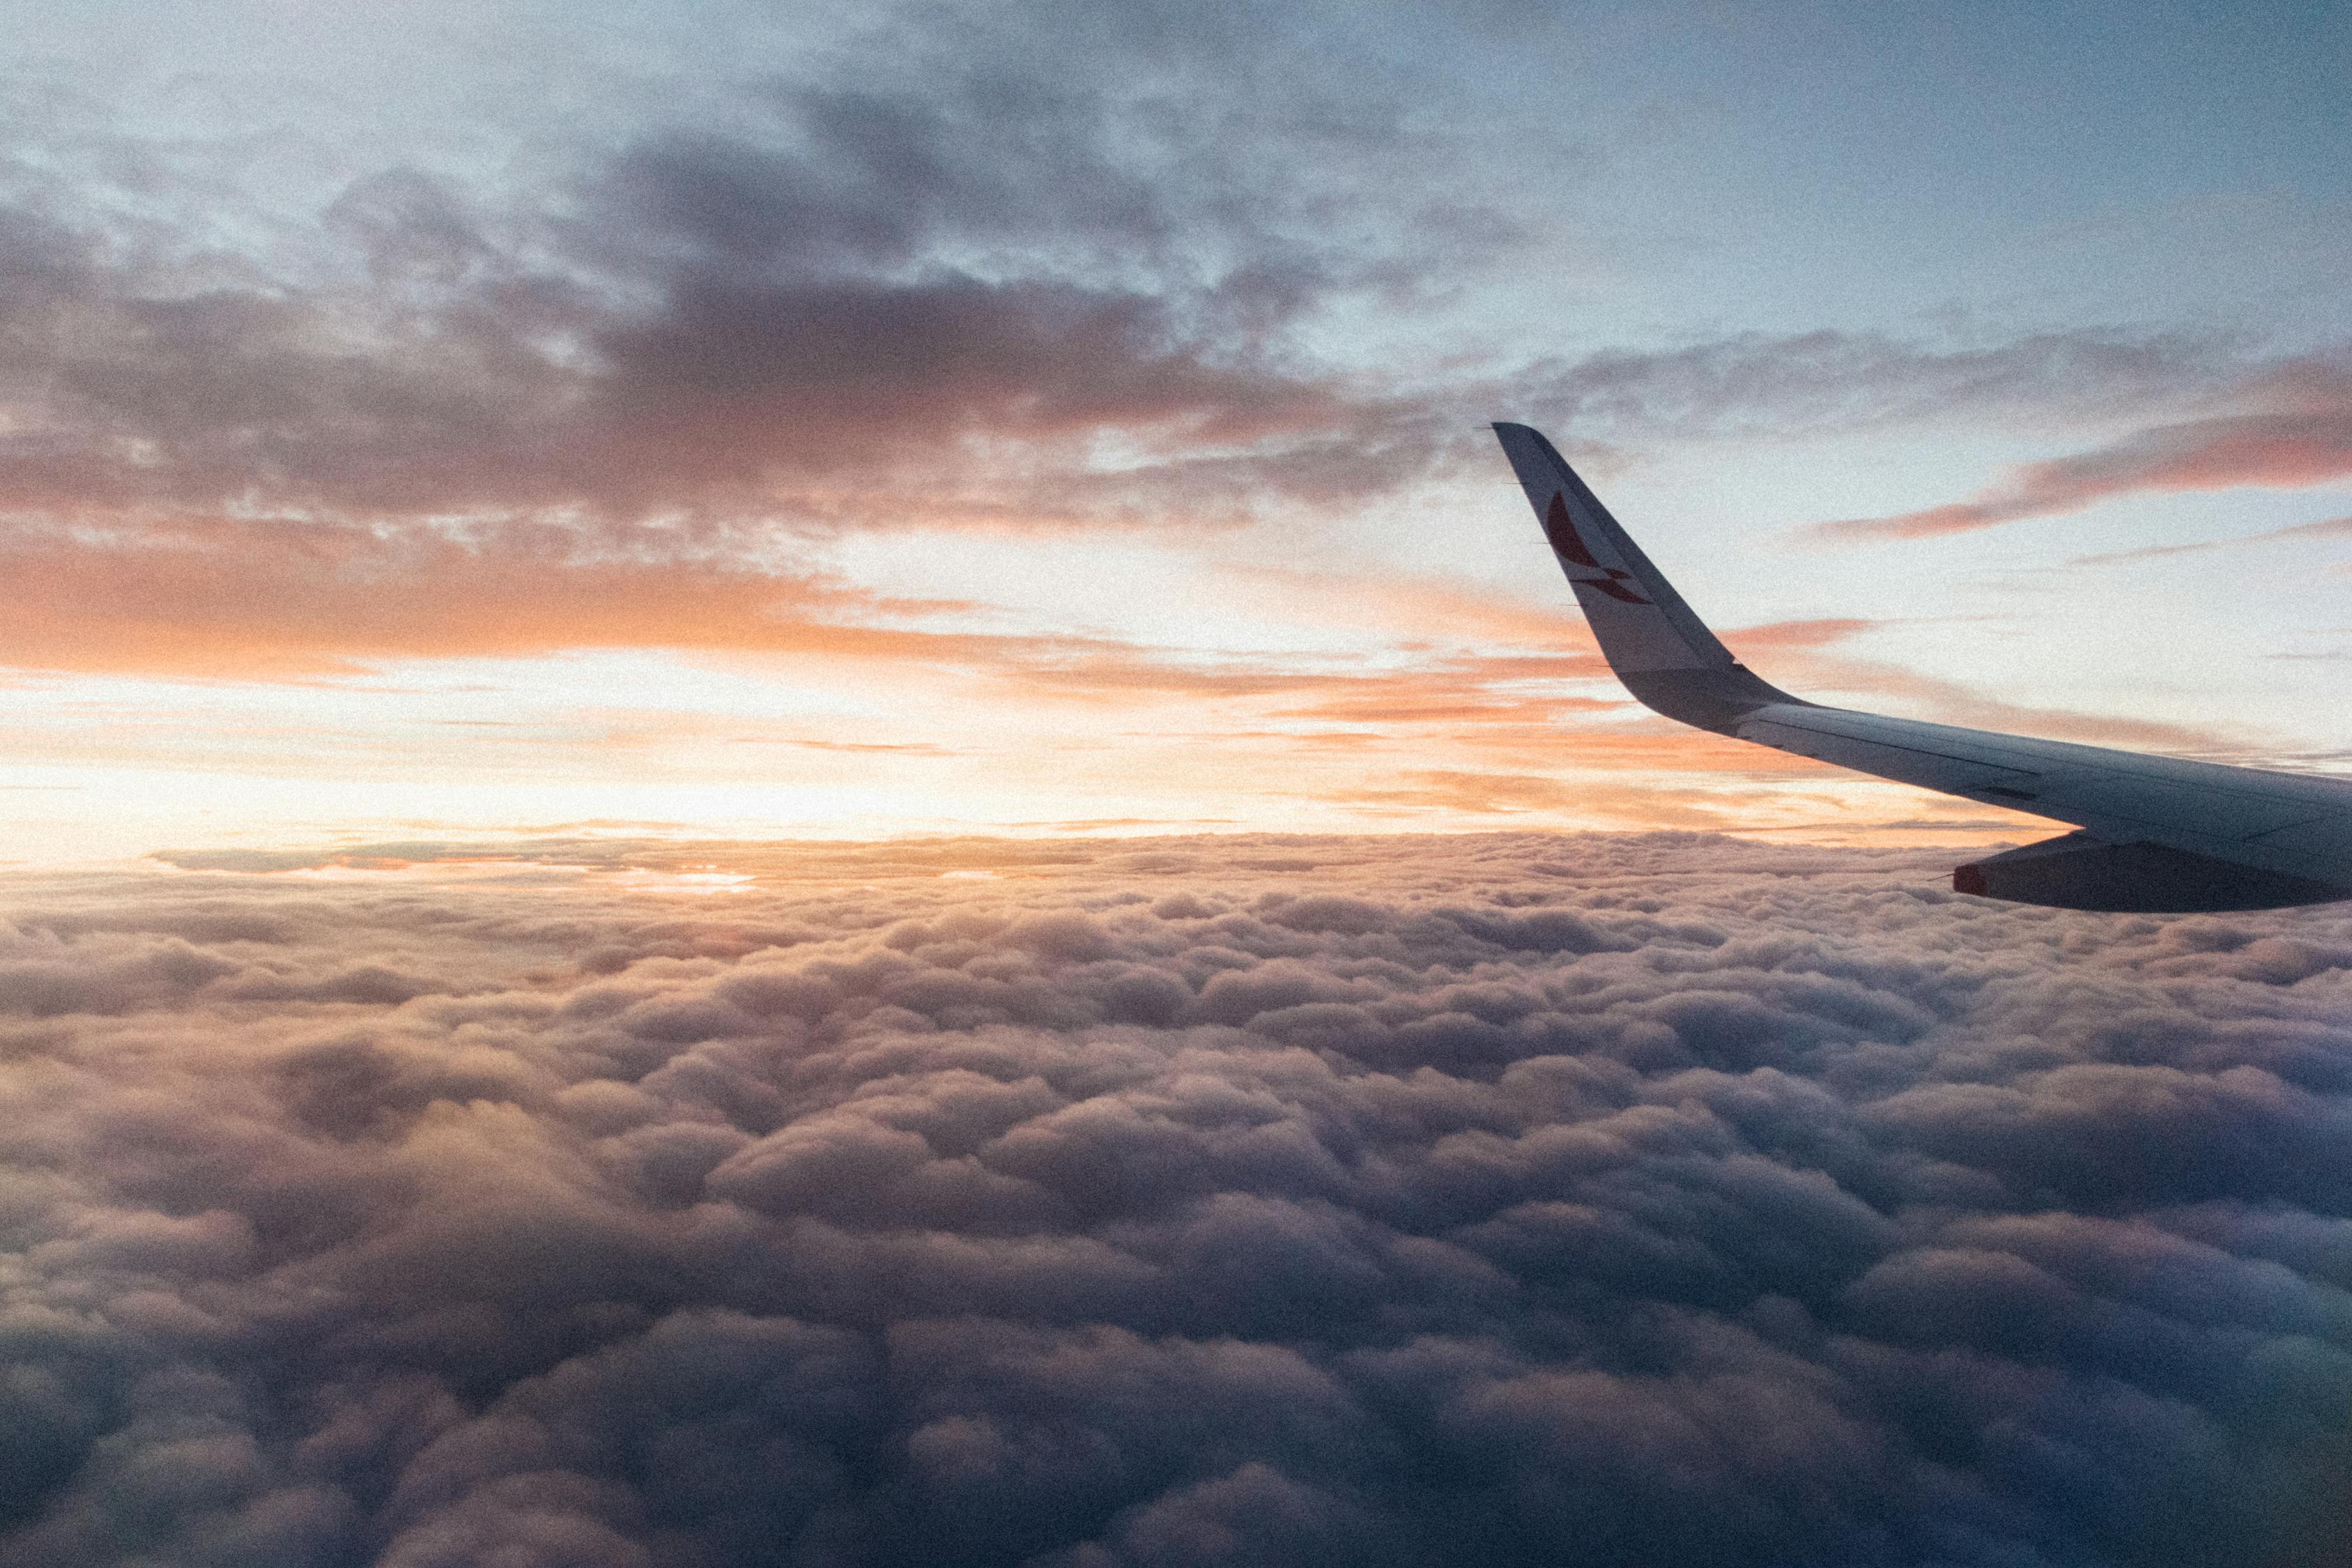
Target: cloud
1202,1200
2292,427
1954,702
904,300
615,404
919,283
1751,384
622,401
2326,528
225,597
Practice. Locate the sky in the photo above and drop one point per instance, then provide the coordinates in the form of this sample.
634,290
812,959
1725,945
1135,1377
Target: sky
794,785
869,421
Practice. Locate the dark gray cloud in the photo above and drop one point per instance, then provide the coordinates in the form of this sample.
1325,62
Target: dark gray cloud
923,277
840,281
593,414
1494,1199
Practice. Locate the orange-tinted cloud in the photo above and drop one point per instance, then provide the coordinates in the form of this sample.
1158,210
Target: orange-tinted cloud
1952,702
249,599
1807,634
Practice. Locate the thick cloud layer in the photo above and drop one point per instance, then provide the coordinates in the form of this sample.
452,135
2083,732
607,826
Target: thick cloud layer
1486,1200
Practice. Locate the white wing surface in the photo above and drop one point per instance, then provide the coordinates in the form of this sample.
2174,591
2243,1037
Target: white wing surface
2156,834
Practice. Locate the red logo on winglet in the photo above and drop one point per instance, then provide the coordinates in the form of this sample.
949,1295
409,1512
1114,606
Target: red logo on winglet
1569,547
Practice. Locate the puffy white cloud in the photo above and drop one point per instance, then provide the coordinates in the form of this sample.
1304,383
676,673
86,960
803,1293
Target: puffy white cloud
1497,1199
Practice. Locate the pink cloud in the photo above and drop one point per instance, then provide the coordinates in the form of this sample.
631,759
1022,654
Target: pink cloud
2295,431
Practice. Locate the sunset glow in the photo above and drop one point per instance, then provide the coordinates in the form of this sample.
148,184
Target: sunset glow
796,785
852,443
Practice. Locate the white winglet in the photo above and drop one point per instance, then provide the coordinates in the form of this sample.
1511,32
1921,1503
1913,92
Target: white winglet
1663,653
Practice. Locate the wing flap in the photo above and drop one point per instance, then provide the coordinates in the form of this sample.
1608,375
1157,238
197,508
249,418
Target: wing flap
2080,872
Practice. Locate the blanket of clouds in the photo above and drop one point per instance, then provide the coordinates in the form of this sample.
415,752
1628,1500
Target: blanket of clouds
1242,1200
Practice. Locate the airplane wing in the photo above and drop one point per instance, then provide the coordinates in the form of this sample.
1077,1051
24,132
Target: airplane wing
2155,834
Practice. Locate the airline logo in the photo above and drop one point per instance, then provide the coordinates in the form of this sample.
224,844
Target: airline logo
1571,549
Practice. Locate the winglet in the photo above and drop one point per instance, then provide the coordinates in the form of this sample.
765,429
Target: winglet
1663,653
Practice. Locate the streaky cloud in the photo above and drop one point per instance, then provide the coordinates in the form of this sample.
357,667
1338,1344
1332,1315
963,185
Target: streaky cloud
2326,527
2292,427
